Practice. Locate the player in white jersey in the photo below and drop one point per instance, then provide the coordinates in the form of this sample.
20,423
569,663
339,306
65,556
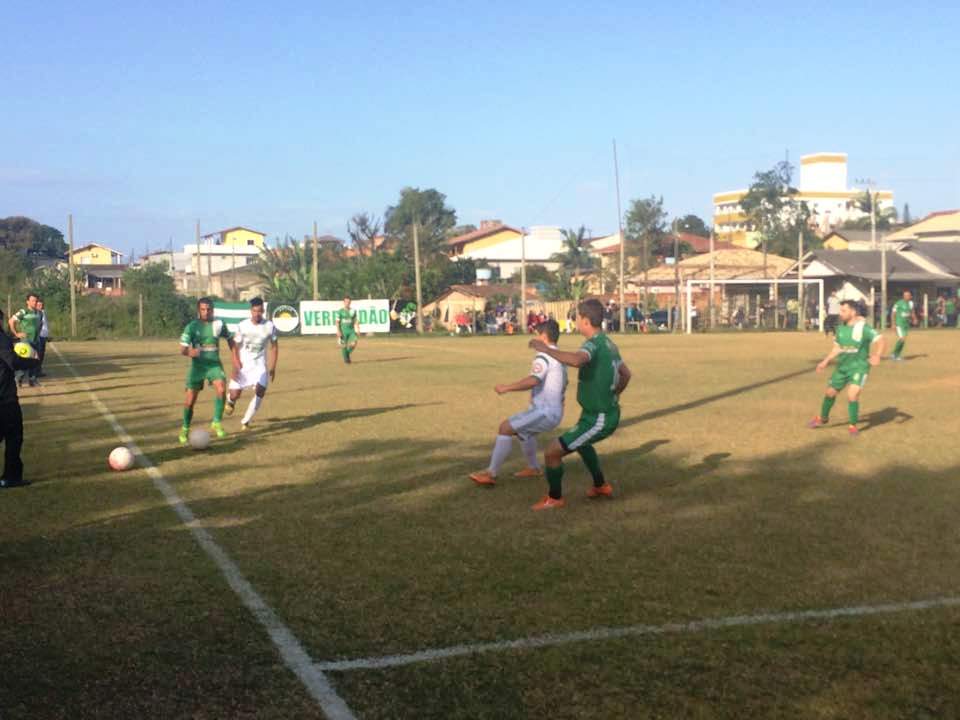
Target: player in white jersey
255,355
547,383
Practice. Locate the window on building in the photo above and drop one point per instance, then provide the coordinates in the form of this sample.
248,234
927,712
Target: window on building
251,241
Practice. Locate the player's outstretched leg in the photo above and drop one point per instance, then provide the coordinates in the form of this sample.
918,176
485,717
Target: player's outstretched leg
553,459
826,405
501,451
853,408
233,394
601,488
253,407
351,346
219,402
188,404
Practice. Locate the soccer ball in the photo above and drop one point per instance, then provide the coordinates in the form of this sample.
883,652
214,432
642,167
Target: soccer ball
25,350
121,458
199,439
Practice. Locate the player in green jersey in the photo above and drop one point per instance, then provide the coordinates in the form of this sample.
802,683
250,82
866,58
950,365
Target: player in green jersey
200,341
602,376
903,316
25,325
857,347
347,326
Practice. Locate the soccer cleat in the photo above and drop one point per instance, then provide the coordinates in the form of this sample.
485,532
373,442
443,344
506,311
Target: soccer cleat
244,426
229,407
218,430
4,483
483,478
852,429
816,422
549,503
605,490
183,437
529,473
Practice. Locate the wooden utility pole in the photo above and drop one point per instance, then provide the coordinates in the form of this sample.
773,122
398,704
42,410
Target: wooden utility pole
623,309
73,283
140,308
416,275
523,281
676,275
801,310
316,280
713,316
199,257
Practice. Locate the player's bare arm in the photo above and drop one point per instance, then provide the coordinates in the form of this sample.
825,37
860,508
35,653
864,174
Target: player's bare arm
528,383
572,359
273,358
339,330
190,352
876,350
623,378
13,323
822,365
237,362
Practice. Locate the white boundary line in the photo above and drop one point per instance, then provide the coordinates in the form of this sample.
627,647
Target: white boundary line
695,626
291,651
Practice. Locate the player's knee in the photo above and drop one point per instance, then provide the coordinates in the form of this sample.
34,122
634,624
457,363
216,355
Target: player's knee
261,391
554,454
505,428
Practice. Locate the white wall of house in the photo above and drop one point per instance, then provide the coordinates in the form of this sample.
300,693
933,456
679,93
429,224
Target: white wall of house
542,243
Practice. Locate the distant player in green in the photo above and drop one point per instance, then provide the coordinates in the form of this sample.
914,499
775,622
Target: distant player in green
200,341
857,347
25,325
603,376
904,315
347,327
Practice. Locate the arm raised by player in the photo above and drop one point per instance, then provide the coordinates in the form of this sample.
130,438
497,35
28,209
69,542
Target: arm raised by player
272,358
822,365
528,383
623,378
573,359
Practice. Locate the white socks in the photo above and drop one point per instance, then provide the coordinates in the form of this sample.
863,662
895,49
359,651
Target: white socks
501,450
252,409
530,451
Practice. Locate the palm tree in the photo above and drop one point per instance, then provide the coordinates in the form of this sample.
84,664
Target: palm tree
286,271
575,255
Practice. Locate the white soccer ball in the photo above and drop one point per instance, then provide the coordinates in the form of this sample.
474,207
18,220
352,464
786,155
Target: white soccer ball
121,458
199,439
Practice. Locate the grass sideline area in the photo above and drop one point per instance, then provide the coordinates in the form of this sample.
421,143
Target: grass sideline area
349,509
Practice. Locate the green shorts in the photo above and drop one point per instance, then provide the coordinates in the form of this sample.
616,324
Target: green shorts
902,330
348,337
590,429
854,375
197,375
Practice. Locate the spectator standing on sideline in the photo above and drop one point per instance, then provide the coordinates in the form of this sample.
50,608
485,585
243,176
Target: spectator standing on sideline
11,417
25,325
951,310
833,314
42,339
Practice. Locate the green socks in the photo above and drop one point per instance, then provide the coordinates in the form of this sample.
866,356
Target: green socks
218,404
854,410
826,406
555,478
187,416
345,352
590,458
898,348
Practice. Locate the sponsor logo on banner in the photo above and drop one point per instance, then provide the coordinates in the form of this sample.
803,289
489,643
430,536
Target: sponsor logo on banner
285,318
319,317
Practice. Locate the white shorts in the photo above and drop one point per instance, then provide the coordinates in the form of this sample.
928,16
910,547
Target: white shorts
251,376
534,421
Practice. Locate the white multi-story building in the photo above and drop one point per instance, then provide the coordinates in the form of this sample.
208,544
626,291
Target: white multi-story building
823,187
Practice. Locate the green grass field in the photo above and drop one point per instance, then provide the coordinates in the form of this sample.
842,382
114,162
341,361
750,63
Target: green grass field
349,510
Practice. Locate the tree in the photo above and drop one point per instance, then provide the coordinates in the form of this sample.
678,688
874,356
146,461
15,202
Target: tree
434,219
575,255
164,310
646,227
886,216
29,236
907,217
564,286
363,230
536,275
694,225
287,271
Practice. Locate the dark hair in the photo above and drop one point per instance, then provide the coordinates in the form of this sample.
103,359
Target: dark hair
550,328
592,309
256,302
347,297
204,301
32,294
858,306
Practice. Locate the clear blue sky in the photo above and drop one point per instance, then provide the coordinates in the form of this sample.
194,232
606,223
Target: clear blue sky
142,117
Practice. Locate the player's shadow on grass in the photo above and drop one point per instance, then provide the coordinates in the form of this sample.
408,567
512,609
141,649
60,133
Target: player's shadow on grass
304,422
699,402
882,417
915,357
399,358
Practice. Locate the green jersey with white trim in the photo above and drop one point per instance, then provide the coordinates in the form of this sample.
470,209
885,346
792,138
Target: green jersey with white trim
348,320
903,312
598,378
205,336
28,322
854,342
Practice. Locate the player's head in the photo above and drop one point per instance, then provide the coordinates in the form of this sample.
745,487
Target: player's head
39,303
256,310
849,309
549,331
205,309
32,299
346,301
589,316
907,295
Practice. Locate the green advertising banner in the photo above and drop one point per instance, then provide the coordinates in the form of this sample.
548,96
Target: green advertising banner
318,317
231,313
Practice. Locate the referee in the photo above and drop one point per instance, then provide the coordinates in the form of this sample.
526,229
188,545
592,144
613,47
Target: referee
11,417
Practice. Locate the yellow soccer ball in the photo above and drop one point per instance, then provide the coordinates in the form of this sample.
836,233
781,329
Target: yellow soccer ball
25,350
